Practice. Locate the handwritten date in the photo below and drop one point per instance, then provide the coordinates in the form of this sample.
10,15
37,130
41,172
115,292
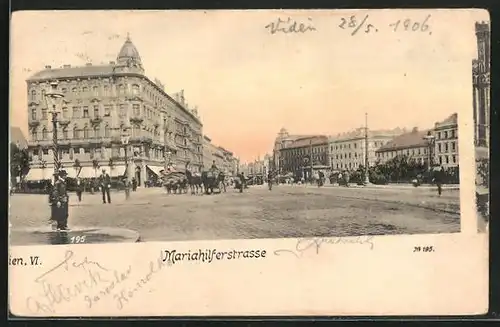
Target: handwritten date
404,25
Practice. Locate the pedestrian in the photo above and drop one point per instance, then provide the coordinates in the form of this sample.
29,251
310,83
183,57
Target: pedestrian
134,184
438,179
79,189
59,201
346,178
105,182
127,185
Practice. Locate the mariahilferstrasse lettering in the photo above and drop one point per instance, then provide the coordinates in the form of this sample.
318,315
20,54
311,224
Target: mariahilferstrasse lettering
209,255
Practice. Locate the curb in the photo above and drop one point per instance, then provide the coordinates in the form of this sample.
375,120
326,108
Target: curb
76,235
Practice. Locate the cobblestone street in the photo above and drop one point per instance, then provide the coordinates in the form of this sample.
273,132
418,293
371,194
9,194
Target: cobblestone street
286,211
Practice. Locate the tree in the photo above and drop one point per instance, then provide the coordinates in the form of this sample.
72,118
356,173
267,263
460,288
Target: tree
19,161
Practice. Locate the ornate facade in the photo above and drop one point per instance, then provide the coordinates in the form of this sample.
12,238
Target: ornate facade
99,103
481,86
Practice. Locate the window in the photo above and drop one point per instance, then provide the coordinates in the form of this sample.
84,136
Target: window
95,90
97,131
33,94
107,110
439,136
96,111
121,89
106,131
65,133
44,113
76,112
85,112
64,90
446,147
76,133
445,134
44,134
106,90
43,94
33,114
136,109
453,146
135,89
34,134
85,89
65,112
122,110
439,147
454,159
447,160
74,90
85,132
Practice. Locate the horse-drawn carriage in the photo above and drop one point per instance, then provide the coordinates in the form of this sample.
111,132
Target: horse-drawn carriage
175,182
213,179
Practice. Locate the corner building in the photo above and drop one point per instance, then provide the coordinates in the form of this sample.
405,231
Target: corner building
99,103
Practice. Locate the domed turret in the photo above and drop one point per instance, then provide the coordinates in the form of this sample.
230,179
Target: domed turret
128,55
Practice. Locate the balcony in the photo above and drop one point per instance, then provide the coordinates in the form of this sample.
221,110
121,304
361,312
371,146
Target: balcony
136,119
33,123
96,120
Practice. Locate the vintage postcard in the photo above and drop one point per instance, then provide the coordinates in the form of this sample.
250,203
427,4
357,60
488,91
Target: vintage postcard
253,162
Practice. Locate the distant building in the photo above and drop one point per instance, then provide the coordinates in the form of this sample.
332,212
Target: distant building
224,159
303,155
347,150
446,136
17,137
412,144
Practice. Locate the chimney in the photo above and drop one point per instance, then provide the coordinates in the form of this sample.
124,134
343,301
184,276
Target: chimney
48,67
67,66
88,64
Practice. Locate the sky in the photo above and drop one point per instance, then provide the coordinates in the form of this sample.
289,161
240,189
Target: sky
249,83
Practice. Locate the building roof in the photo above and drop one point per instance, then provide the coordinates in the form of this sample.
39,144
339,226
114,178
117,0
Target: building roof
72,72
128,52
413,139
307,140
360,133
449,121
17,137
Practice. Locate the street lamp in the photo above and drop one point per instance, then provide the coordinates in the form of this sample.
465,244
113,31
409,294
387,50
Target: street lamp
124,137
168,155
53,99
431,140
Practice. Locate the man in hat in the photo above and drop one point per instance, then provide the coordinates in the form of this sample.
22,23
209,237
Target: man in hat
59,201
105,182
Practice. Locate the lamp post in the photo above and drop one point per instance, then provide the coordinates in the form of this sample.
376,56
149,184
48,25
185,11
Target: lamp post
431,139
124,137
53,98
367,162
168,162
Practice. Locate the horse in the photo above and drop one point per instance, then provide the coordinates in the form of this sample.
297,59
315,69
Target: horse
194,181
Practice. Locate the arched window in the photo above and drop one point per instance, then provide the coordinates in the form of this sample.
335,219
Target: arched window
85,132
43,94
95,90
44,134
106,130
74,90
76,132
135,89
85,89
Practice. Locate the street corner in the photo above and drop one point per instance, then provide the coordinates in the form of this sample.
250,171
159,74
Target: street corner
45,235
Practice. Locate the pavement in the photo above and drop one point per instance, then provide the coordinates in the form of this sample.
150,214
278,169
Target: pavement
286,211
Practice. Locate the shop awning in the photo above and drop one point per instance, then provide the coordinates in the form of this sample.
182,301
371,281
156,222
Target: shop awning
38,174
116,171
88,172
155,169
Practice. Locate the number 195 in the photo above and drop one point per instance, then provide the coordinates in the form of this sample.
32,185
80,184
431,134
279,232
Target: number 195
77,239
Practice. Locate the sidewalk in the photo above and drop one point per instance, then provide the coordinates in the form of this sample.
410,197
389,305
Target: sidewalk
388,186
